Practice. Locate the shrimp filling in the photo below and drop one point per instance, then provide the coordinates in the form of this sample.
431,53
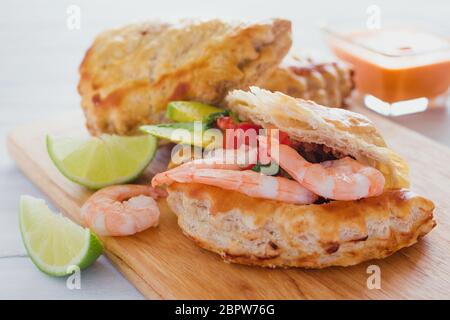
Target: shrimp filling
328,173
281,169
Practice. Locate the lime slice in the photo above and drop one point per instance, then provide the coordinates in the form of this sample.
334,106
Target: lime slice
102,161
54,243
185,111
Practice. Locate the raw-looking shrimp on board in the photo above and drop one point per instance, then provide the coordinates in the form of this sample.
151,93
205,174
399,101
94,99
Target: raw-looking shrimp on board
341,179
122,210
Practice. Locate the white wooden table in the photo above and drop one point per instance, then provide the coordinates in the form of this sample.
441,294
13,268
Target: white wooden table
39,57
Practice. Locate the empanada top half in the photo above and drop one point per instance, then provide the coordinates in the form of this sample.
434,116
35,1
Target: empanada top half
345,132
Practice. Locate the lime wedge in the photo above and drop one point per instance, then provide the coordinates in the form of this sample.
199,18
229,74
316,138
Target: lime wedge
54,243
102,161
185,111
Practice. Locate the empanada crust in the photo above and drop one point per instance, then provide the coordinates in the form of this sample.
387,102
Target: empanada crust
269,233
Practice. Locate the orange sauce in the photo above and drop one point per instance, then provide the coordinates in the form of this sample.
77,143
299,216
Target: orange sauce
397,65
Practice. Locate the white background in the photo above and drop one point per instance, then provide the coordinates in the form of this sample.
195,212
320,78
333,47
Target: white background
39,57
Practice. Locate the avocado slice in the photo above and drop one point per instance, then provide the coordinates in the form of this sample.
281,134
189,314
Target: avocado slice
185,111
191,133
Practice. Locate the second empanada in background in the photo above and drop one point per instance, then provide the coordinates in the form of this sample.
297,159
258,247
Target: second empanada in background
130,74
326,82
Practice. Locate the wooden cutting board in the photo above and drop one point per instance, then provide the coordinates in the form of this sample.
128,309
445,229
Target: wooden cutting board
163,264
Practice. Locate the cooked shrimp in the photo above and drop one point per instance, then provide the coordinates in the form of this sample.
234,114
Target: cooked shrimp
228,159
247,182
205,163
342,179
244,156
122,210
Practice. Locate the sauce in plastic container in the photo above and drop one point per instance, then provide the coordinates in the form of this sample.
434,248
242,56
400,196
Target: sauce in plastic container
394,66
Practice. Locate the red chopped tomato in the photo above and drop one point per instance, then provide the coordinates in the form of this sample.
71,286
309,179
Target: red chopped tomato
224,123
232,139
247,126
284,138
227,123
249,167
229,141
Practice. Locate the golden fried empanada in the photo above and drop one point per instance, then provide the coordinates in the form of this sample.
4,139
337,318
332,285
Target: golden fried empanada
270,233
130,74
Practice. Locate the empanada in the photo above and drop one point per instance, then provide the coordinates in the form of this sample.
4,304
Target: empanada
130,74
259,231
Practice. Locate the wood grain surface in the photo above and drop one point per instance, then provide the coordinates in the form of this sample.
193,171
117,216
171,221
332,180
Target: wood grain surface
163,264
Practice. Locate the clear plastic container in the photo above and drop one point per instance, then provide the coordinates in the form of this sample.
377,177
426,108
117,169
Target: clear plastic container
398,69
